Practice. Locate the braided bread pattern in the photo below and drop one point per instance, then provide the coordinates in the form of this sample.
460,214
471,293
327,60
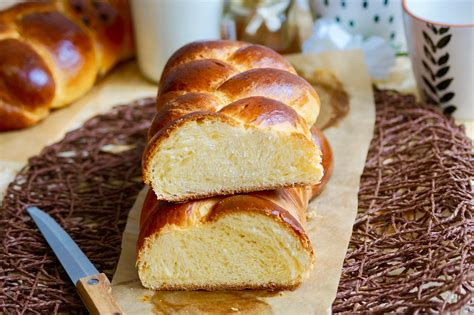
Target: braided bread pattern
236,86
52,52
217,76
233,119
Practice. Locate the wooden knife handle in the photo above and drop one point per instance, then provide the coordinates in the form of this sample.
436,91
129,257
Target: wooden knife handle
96,293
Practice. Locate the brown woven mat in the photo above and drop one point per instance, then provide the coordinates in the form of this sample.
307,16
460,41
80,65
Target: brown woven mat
411,249
418,161
89,189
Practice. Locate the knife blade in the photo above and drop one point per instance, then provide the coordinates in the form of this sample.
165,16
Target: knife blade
93,287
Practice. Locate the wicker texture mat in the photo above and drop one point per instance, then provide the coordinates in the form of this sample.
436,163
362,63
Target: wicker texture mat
89,186
411,249
411,240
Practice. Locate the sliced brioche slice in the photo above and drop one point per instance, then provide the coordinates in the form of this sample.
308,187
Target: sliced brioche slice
253,241
250,145
248,241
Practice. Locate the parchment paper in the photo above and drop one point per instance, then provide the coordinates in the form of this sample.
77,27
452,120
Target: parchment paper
329,227
123,85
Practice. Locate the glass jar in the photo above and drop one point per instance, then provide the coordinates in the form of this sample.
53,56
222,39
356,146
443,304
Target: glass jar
282,25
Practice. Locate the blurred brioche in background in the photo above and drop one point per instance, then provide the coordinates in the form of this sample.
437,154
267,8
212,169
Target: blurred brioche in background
52,52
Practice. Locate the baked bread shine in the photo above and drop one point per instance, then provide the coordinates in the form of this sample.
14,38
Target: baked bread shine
247,241
51,53
232,117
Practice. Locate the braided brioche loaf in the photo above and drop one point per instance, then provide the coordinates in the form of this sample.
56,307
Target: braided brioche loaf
232,117
247,241
52,52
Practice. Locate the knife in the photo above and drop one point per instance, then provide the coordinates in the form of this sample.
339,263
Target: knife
93,287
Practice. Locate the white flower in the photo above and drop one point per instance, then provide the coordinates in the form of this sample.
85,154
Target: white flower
329,35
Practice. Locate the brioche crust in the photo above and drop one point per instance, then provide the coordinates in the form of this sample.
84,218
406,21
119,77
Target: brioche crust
232,117
52,52
280,213
327,160
227,287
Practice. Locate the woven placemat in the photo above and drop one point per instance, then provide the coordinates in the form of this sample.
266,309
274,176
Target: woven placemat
411,238
88,182
411,249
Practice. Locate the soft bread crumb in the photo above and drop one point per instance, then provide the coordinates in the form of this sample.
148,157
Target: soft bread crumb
239,250
213,157
310,215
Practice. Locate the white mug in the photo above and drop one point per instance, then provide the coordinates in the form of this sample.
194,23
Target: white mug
163,26
440,36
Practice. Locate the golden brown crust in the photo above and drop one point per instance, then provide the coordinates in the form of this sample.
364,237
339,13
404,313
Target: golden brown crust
148,207
62,52
15,117
25,80
242,55
237,83
176,107
225,192
24,76
231,71
219,50
327,160
109,24
265,112
276,84
66,48
156,214
256,56
230,287
204,75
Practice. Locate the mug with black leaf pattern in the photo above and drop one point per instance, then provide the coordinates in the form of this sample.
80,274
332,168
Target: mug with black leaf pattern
440,37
